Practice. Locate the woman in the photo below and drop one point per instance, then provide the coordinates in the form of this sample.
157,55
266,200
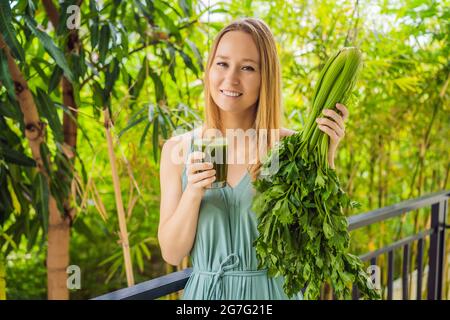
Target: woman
216,227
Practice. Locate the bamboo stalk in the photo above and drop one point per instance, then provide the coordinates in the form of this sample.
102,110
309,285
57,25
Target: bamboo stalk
119,203
58,223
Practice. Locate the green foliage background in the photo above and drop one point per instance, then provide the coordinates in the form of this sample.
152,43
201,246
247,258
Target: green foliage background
396,144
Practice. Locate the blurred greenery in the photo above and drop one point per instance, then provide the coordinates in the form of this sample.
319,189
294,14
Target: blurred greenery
144,59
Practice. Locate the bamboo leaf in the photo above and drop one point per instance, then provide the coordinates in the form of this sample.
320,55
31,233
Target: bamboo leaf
32,235
188,61
50,47
39,70
172,63
40,187
138,84
132,124
7,109
168,22
139,258
97,94
6,202
105,34
155,138
144,134
159,87
196,52
186,6
13,156
54,79
47,107
111,76
7,30
5,76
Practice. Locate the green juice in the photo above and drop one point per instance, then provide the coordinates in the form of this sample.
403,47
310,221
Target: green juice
215,152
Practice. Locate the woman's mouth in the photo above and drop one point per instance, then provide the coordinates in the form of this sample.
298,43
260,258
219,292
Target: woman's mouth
232,94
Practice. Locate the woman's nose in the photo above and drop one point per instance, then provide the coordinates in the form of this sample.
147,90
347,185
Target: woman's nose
232,76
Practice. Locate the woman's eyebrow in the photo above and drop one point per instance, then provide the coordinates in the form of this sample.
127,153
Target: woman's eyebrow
226,58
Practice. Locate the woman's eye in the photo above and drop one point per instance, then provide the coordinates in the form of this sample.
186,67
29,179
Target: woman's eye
250,68
222,64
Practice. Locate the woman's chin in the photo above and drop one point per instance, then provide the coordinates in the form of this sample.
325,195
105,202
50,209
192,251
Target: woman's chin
230,108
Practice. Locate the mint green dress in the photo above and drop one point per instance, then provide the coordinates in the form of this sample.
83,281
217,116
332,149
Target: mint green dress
223,257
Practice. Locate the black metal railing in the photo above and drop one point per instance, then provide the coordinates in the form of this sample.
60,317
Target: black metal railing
438,201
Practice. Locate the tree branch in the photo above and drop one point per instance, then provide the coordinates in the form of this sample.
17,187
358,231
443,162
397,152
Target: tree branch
52,12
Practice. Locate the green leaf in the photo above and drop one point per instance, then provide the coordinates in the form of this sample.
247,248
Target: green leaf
139,258
48,110
155,138
98,95
285,216
93,27
133,124
5,76
45,156
306,271
328,231
140,80
186,6
135,119
159,87
111,76
13,156
8,109
105,34
41,200
170,25
196,52
172,63
144,134
188,61
54,79
320,181
148,14
7,30
50,47
39,70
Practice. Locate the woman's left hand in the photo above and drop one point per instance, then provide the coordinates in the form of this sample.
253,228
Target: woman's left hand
334,127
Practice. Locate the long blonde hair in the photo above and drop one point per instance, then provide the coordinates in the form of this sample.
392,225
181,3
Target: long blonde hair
269,105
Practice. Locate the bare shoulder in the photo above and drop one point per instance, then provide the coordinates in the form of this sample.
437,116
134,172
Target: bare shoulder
286,132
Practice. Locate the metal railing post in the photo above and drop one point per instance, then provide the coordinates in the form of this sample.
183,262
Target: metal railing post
436,252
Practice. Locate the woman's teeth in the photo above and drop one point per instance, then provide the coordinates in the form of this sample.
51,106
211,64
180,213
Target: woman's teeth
231,93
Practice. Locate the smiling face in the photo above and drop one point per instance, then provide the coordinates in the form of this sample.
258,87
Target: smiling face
235,76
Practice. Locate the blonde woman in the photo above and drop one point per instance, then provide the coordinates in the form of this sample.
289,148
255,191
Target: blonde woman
216,226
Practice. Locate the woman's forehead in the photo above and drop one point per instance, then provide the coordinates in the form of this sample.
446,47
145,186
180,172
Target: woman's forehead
237,45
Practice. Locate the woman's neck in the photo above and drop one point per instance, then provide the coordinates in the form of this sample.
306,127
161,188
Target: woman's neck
243,120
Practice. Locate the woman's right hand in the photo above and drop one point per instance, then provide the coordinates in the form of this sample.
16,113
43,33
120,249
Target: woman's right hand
199,174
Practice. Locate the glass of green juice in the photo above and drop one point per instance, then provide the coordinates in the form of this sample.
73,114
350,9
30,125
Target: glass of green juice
215,150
